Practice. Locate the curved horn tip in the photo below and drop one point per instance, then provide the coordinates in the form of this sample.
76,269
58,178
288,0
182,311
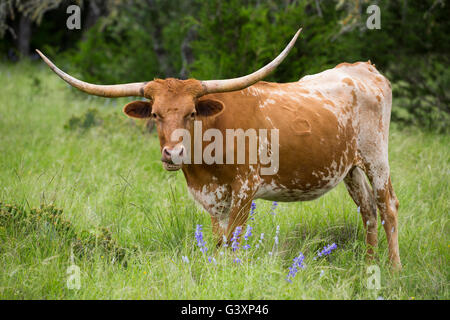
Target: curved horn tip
43,57
297,33
39,52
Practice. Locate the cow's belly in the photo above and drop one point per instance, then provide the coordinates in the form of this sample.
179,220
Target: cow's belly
277,191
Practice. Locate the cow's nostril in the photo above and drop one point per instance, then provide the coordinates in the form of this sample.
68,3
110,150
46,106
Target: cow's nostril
166,152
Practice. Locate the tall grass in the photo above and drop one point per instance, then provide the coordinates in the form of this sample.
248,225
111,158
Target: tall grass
107,174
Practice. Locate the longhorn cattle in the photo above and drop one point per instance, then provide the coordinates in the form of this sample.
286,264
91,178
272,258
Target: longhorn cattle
331,127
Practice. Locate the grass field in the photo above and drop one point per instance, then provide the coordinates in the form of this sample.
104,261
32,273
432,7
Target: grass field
104,172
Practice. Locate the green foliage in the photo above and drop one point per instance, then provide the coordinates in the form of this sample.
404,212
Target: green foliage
105,122
104,55
242,37
89,119
137,43
422,92
50,221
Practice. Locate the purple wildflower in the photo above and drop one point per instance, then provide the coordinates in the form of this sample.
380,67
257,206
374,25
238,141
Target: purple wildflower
185,259
274,206
252,210
276,235
212,259
261,238
275,244
298,263
199,237
327,250
235,239
248,232
237,260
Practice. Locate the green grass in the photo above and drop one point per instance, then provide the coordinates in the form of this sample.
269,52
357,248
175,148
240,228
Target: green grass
106,173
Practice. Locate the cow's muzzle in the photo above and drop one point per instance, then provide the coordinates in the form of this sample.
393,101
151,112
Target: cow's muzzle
172,158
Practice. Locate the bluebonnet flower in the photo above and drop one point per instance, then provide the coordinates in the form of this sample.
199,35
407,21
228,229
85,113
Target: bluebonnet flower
237,260
274,206
276,235
261,238
248,233
185,259
327,250
298,263
275,244
252,210
212,259
358,209
199,237
382,222
235,238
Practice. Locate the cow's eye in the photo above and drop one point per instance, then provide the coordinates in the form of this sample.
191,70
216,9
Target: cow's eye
193,115
154,115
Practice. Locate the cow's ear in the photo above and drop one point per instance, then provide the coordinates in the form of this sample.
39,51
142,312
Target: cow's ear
207,108
138,109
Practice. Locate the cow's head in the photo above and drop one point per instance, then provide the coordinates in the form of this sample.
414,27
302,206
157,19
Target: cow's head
173,103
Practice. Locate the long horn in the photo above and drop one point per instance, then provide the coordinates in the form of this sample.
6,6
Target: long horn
212,86
113,91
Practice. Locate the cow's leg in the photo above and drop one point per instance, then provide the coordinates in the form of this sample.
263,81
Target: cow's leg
387,203
362,195
216,199
236,214
225,225
243,191
219,221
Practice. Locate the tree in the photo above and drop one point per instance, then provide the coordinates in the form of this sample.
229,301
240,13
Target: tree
29,11
32,12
